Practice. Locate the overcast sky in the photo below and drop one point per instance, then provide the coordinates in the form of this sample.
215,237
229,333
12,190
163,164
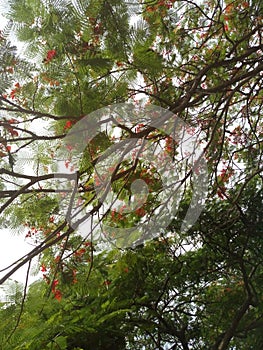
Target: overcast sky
12,246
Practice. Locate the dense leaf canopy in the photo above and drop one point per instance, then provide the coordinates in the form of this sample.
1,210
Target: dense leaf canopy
196,67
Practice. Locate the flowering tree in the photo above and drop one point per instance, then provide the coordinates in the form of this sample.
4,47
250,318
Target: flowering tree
190,283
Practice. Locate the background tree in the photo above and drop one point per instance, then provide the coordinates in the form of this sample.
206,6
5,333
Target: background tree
183,290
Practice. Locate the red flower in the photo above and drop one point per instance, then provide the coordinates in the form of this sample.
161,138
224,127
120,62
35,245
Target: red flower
69,147
58,295
54,284
57,259
80,252
229,8
50,55
12,131
13,93
12,121
68,125
43,268
140,212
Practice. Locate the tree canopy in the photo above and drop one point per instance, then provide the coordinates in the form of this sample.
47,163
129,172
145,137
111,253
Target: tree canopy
131,160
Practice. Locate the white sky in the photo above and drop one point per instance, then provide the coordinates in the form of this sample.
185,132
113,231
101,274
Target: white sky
3,20
12,247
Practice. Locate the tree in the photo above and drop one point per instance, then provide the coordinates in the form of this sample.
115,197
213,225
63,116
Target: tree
196,283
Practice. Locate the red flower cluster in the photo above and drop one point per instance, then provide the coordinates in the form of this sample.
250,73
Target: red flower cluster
68,124
13,92
12,131
140,212
12,121
57,293
80,252
43,268
50,55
